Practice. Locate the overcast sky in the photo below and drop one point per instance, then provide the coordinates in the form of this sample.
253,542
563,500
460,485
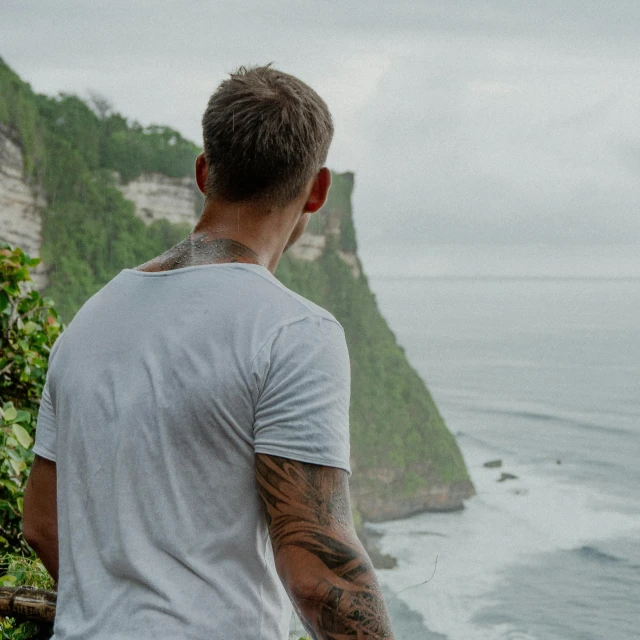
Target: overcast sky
482,125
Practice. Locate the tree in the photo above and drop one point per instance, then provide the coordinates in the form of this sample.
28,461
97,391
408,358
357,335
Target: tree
100,104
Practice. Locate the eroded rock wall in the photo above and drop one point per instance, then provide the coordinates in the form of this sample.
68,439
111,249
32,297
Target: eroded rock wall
158,197
21,204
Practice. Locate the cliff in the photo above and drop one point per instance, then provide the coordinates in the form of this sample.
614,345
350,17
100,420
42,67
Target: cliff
159,197
94,194
21,205
404,458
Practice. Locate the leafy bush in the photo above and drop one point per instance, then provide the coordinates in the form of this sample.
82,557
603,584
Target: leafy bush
24,631
29,326
19,570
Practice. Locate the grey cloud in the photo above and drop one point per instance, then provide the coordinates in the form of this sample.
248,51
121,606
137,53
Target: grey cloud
495,122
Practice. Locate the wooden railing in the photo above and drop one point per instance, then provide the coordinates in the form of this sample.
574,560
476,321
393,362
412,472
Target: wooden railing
27,603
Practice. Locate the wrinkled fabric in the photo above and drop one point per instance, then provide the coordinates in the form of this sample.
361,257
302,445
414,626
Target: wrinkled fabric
159,394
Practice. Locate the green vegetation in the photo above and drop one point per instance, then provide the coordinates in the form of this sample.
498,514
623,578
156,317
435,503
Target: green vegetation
29,326
90,231
89,241
57,134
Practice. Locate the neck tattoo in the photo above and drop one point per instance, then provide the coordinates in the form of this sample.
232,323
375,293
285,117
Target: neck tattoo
199,249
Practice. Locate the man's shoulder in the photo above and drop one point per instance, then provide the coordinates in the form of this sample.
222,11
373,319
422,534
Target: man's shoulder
245,298
293,303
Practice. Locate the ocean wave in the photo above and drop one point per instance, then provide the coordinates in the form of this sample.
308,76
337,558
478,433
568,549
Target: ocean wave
545,416
594,554
486,443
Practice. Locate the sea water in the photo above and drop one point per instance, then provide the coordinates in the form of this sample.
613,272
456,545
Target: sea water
543,375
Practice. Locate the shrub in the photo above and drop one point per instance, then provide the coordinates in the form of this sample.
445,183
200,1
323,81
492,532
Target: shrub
29,326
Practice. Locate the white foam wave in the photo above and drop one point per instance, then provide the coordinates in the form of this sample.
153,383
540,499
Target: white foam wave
506,524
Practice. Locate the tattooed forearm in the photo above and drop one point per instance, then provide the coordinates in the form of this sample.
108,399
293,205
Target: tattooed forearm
325,569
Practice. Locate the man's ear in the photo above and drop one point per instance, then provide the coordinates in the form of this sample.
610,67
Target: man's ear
319,191
202,170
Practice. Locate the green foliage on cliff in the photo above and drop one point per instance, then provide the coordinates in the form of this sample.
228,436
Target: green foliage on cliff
394,421
89,241
19,112
91,233
89,230
56,133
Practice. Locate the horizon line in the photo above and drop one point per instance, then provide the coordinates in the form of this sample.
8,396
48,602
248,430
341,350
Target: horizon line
497,277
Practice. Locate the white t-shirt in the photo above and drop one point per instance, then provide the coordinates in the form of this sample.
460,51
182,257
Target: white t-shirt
159,393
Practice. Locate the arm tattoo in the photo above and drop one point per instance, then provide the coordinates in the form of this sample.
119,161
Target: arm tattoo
309,517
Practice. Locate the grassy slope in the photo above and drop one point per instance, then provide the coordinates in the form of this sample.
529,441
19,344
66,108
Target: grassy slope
401,447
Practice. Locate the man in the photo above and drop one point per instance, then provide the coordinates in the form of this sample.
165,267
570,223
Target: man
195,417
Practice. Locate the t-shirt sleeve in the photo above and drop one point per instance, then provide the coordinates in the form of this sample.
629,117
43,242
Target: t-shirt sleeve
46,430
302,412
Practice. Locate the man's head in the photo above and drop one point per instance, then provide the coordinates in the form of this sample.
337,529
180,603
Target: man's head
266,134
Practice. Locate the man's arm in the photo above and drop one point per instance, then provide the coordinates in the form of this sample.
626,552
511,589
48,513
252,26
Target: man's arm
40,514
322,564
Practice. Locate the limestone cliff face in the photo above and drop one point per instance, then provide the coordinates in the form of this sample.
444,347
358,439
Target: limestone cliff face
159,197
331,228
20,204
379,494
155,197
310,246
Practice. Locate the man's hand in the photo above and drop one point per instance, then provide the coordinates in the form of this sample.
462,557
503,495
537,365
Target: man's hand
40,513
319,558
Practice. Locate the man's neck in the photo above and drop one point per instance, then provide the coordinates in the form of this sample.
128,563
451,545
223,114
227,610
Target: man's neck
250,232
198,249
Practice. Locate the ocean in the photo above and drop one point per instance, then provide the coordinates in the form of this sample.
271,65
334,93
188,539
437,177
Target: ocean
544,376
